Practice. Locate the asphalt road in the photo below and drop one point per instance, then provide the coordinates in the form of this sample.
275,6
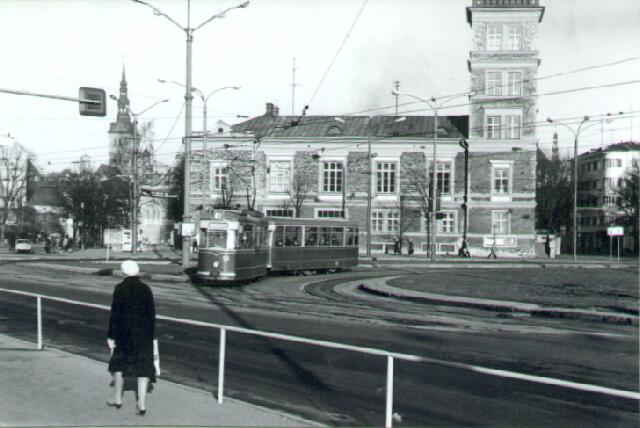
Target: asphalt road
345,388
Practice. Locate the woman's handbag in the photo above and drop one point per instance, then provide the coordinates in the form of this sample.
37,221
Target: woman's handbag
156,357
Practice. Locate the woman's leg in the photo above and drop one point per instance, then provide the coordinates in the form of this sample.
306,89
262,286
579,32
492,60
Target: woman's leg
118,385
143,384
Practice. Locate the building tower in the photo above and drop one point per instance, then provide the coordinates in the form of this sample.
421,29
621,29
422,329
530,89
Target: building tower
121,132
503,63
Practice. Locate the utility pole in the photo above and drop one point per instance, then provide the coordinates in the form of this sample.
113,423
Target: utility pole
396,92
293,88
134,190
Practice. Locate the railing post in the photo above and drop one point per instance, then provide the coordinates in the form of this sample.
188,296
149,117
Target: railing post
389,413
39,310
223,345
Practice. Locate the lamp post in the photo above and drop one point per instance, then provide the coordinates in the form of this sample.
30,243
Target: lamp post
134,171
576,135
372,132
205,99
435,104
188,97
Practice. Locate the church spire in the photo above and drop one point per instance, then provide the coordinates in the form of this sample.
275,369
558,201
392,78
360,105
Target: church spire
123,100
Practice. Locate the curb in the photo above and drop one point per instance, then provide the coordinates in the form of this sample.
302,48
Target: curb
108,272
380,288
490,265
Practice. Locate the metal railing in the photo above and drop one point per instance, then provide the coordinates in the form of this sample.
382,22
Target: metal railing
391,356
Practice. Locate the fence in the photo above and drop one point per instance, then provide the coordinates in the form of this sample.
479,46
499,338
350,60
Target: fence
391,356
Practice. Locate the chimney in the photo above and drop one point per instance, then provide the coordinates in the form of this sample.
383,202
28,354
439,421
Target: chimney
272,110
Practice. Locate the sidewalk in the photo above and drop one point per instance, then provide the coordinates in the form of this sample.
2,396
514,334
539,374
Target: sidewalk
55,388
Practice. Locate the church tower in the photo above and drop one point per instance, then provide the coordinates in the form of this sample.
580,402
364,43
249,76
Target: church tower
121,132
503,64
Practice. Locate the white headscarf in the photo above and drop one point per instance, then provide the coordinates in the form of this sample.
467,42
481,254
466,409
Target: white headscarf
129,268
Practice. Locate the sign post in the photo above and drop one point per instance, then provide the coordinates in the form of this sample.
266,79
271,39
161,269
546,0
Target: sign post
616,231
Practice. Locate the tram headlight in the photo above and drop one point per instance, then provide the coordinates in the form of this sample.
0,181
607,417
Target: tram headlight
216,264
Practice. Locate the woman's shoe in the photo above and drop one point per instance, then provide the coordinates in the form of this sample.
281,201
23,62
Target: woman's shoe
113,404
142,412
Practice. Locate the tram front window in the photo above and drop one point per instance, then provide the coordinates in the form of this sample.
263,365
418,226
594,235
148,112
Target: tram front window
217,238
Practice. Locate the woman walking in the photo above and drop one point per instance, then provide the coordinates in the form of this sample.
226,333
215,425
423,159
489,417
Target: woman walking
130,337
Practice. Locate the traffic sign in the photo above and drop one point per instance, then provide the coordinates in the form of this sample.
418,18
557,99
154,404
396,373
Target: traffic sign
615,231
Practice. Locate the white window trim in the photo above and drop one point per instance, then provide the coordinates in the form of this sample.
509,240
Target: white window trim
501,45
501,164
503,114
265,209
317,210
386,195
455,223
327,194
452,168
506,31
493,222
486,83
279,159
212,165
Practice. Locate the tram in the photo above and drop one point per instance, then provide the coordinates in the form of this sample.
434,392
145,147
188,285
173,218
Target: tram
242,245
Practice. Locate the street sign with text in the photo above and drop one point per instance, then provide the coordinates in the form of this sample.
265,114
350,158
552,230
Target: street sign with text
615,231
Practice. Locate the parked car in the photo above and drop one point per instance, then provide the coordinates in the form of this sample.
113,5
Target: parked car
23,246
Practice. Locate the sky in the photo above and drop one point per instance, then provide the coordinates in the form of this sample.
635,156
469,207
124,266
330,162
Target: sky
347,55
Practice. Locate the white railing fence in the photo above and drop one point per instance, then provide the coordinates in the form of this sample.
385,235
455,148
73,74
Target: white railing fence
370,351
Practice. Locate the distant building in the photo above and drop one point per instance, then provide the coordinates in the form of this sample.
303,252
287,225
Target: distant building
601,174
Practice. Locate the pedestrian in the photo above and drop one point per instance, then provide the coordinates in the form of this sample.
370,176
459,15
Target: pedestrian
410,247
492,254
396,247
130,336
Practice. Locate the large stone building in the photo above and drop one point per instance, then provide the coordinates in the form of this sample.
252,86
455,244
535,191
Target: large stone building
336,163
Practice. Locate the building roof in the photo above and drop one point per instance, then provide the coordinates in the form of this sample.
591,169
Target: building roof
273,125
625,146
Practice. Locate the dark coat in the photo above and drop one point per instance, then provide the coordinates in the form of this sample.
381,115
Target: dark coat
132,325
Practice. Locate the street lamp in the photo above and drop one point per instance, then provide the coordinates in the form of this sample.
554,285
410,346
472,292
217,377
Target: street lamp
205,99
435,104
134,170
576,135
188,97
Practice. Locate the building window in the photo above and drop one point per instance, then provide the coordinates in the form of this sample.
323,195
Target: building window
513,127
494,37
514,83
443,174
612,163
494,83
278,212
447,224
332,177
514,41
386,177
493,127
393,221
500,222
501,181
377,221
219,176
385,221
330,214
279,176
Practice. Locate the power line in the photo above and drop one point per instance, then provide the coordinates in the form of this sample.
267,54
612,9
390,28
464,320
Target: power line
344,41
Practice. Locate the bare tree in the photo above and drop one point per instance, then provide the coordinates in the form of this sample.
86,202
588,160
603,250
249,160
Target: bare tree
13,180
299,191
416,187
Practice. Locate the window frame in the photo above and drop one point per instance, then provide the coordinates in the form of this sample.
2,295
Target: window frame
213,175
493,130
494,90
279,183
494,39
509,42
504,220
386,177
332,177
452,221
514,87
